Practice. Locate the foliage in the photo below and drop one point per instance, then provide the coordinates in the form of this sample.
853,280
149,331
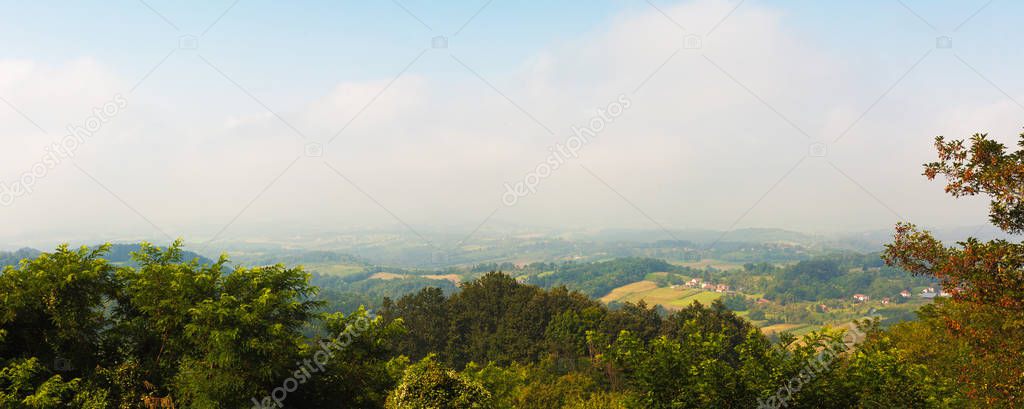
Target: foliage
26,383
346,294
429,385
984,322
197,334
839,276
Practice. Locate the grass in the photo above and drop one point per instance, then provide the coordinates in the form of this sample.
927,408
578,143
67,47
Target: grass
777,328
653,276
339,270
627,289
671,298
704,297
662,295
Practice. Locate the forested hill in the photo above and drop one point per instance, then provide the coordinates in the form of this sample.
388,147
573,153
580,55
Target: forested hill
11,258
118,254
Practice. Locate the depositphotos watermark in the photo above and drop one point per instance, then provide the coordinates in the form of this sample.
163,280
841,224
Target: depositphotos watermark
561,152
60,150
308,367
818,364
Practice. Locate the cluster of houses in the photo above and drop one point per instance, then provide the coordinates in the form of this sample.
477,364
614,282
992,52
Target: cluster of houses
701,284
927,292
931,293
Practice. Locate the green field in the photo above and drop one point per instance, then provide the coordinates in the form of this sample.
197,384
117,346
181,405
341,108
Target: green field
340,270
704,297
670,298
681,297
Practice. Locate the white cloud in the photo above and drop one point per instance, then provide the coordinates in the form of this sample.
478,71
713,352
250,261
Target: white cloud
700,146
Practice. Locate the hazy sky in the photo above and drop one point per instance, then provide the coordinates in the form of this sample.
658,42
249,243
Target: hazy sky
811,116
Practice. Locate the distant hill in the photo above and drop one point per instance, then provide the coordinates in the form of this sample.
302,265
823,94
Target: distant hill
11,258
875,240
118,254
122,254
293,257
703,236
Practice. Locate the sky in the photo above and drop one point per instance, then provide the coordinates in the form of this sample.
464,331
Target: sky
217,120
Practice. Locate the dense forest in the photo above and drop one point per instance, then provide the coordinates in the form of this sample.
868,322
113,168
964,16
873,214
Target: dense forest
81,331
80,328
838,277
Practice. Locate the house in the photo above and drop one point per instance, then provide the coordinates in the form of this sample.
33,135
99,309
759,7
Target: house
861,297
905,294
823,308
707,286
762,301
944,294
928,290
886,300
722,288
694,283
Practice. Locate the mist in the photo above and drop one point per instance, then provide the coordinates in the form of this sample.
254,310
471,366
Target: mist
688,115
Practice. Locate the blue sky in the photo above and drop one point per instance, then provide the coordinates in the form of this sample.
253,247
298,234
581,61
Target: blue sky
354,40
260,41
361,39
711,143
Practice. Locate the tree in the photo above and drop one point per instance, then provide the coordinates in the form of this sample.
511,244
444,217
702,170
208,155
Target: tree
429,385
246,336
986,279
52,319
76,331
52,307
358,372
427,317
154,305
27,383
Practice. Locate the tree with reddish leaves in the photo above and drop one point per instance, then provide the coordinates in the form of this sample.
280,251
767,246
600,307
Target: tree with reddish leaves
985,317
